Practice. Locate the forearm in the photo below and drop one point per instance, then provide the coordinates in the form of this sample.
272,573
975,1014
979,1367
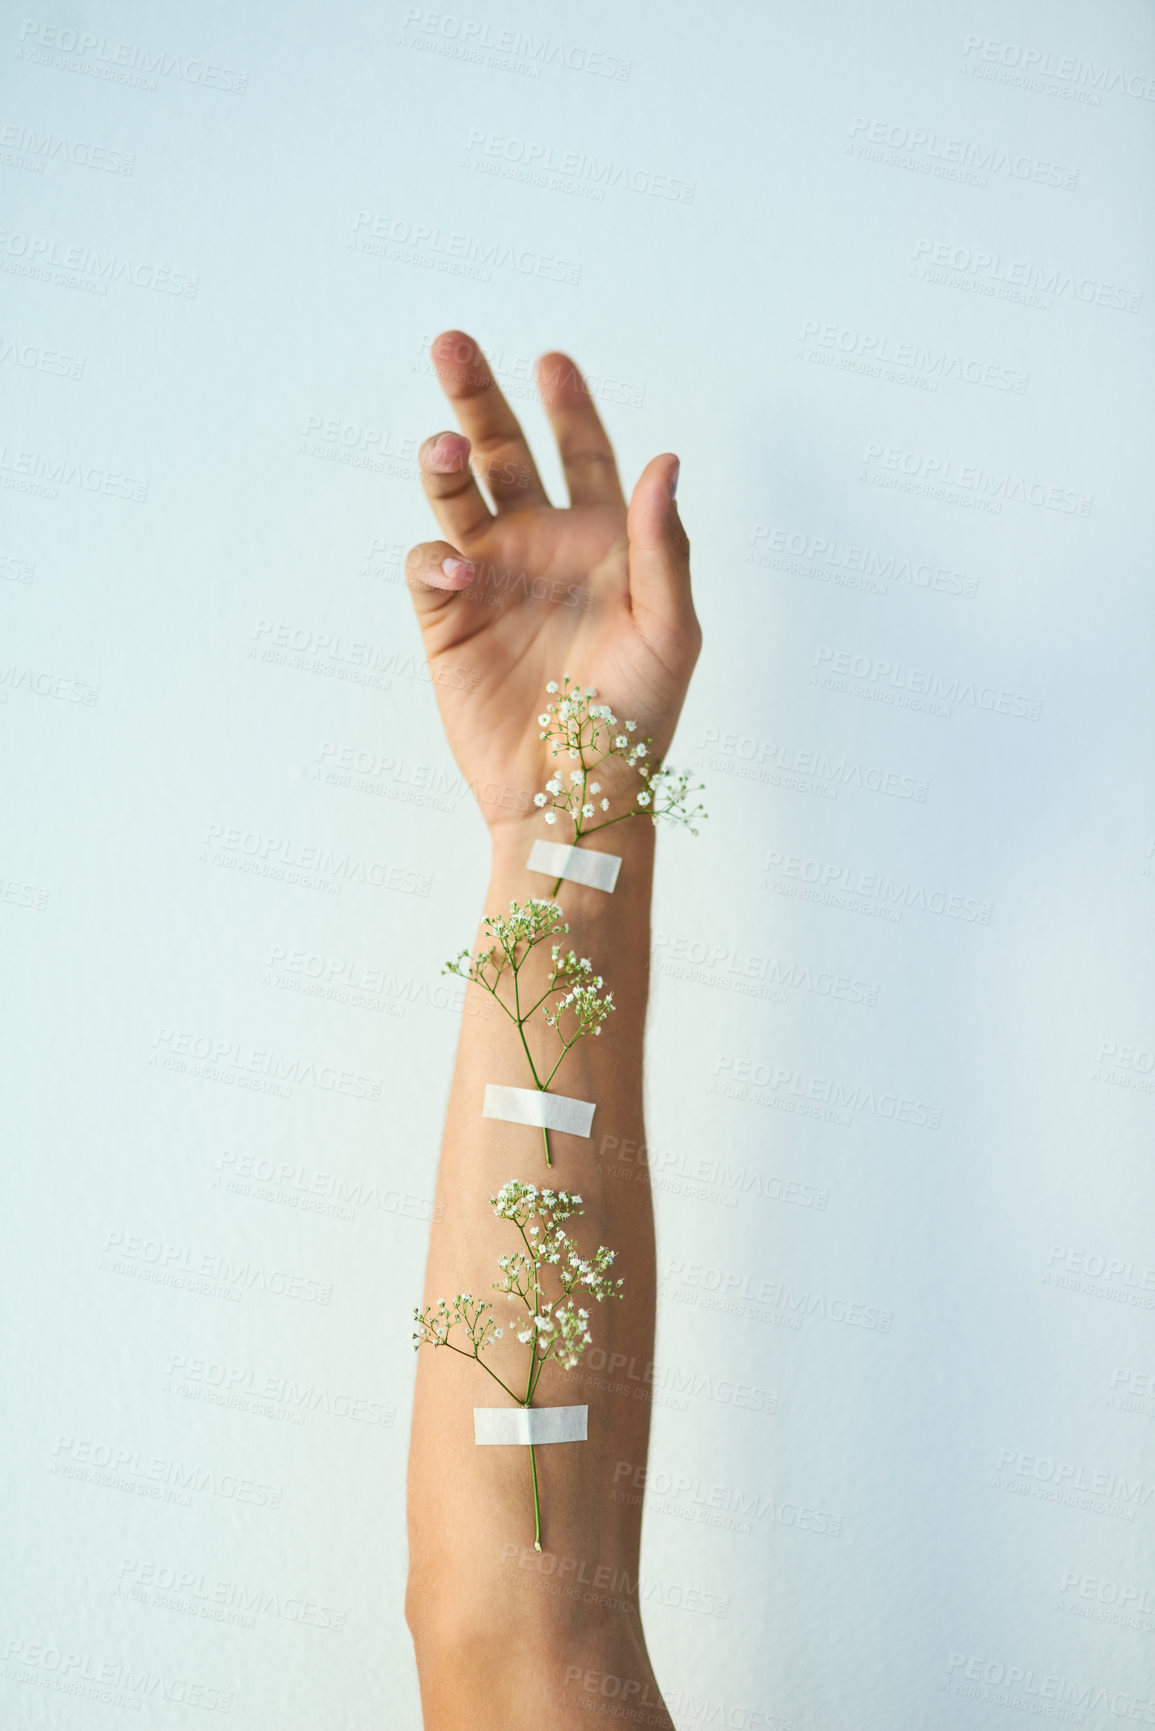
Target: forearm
471,1514
609,603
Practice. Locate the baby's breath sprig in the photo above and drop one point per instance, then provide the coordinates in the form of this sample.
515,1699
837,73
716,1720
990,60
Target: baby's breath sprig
590,735
554,1327
573,1003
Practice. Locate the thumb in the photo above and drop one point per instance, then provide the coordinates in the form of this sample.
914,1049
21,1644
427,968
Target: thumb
659,546
435,573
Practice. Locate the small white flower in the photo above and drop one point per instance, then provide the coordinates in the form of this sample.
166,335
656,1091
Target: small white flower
552,686
621,741
551,817
630,726
643,799
639,750
543,721
587,811
595,787
605,805
539,799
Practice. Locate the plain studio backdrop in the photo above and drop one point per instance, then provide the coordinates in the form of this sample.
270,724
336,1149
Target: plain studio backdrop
876,275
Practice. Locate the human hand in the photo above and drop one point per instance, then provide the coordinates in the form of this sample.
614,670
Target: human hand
528,591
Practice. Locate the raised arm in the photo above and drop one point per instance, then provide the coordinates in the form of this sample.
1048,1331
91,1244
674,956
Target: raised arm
514,598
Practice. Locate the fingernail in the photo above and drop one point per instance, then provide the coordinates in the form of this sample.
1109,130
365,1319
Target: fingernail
674,480
459,571
446,455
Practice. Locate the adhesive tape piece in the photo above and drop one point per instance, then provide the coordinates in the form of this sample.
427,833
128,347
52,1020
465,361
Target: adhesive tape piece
581,865
529,1424
533,1106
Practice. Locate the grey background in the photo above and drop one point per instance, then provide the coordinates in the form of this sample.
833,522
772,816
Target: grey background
876,275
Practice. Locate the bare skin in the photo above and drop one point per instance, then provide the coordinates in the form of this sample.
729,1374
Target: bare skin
517,595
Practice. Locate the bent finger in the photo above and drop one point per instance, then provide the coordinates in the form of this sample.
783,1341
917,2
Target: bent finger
451,488
500,451
436,573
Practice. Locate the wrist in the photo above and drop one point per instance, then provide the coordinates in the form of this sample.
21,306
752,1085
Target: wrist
632,840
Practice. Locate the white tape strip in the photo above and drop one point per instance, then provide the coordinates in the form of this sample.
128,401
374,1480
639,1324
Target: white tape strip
543,1110
581,865
529,1424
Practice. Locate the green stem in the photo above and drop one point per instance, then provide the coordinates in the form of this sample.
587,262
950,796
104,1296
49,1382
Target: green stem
535,1374
612,820
521,1030
482,1363
545,1139
536,1500
565,1048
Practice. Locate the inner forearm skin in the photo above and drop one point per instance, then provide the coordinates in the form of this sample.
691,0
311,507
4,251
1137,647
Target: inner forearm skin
480,1599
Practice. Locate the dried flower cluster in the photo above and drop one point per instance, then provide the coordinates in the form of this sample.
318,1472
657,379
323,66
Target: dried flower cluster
590,735
554,1327
554,1324
573,1003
